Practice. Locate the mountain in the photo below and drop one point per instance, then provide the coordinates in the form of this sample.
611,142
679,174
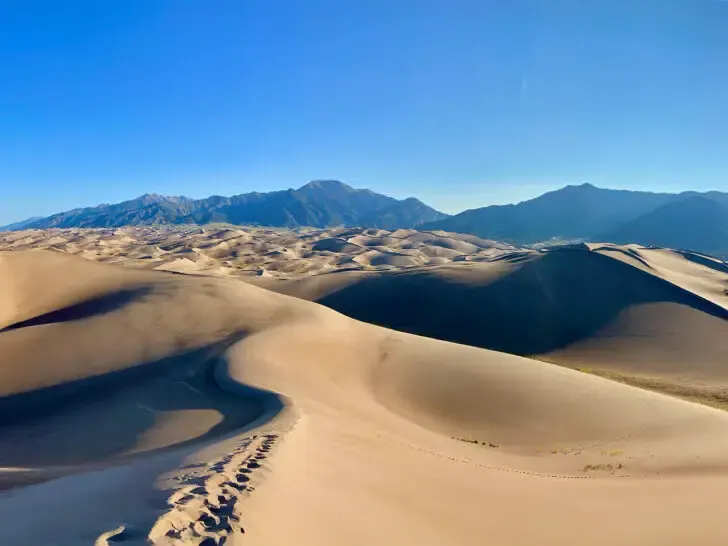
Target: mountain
320,203
690,220
695,223
150,208
573,212
20,225
408,212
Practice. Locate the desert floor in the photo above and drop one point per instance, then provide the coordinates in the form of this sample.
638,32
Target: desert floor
225,385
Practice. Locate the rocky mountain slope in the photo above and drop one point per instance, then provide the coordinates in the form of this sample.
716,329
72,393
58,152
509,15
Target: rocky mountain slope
320,203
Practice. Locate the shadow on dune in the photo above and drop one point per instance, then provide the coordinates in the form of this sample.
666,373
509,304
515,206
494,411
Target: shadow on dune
541,305
513,257
92,307
103,417
630,253
713,263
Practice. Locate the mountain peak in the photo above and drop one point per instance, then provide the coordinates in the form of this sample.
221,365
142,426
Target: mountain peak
584,186
151,198
413,201
326,185
320,203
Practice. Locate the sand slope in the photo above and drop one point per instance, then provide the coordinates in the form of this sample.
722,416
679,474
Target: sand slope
184,409
651,311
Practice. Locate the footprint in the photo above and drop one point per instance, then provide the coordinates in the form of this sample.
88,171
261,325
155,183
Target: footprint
180,497
198,491
209,520
223,511
237,487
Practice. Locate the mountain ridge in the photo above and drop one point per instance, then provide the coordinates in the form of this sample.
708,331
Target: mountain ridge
695,222
319,203
588,213
21,224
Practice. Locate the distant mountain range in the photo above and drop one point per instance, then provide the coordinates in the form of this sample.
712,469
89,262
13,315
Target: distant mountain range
320,203
688,220
20,225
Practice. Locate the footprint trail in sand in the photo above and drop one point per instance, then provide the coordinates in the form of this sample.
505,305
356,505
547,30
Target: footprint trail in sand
203,510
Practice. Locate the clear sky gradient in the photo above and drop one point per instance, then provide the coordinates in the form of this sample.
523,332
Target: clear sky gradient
460,103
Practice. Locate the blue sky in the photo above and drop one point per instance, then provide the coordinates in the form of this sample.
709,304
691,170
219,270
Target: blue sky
460,103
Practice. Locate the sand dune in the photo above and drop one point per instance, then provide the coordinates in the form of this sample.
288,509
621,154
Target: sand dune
234,252
186,408
645,311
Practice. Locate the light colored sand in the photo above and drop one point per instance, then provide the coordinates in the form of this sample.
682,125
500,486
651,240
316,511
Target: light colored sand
178,409
226,251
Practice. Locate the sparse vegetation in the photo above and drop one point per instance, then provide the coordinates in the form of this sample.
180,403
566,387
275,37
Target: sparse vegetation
564,451
476,442
708,395
609,467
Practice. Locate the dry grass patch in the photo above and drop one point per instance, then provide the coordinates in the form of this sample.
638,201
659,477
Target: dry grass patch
715,396
608,467
476,442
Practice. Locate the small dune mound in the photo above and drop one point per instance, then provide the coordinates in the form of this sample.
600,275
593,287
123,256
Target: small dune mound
376,258
402,233
373,232
396,260
367,241
335,244
454,244
179,265
462,247
144,252
438,260
472,239
439,252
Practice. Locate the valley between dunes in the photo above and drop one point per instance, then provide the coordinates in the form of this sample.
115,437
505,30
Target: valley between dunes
186,392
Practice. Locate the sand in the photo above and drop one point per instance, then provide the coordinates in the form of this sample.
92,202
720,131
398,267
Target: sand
141,406
234,251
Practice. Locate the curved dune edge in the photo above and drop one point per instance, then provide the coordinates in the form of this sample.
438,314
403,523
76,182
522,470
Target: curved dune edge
371,415
639,311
